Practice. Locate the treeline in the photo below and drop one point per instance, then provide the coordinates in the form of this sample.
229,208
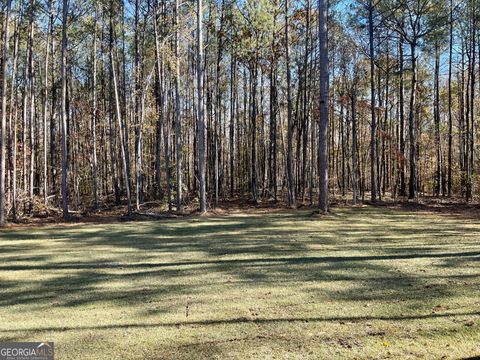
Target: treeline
126,102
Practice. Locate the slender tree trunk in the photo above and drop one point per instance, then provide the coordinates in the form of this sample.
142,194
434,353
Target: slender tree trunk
31,110
438,173
312,161
136,112
159,98
24,131
461,121
218,107
470,137
3,127
306,96
200,111
273,128
166,149
354,147
450,117
64,112
411,123
45,110
373,124
13,121
53,114
290,123
94,119
401,90
178,124
385,139
253,121
233,85
323,127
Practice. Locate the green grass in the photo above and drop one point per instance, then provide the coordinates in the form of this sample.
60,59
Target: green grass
362,282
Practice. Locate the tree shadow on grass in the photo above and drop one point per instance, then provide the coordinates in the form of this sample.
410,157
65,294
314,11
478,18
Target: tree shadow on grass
247,320
226,263
84,285
280,249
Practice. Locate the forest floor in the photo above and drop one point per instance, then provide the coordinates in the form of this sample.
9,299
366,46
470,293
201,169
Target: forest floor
364,282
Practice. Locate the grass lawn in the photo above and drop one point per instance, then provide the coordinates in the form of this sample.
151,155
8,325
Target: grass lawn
359,283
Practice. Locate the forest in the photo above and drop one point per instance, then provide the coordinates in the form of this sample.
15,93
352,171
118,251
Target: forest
109,103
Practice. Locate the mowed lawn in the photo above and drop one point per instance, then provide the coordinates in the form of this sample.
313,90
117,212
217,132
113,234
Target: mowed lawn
359,283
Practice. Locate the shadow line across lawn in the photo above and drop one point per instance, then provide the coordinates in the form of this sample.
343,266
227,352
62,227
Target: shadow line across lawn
283,260
246,320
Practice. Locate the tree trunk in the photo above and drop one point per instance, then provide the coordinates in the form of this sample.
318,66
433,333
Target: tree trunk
200,114
438,172
470,135
373,124
31,110
159,98
306,98
53,115
94,119
290,123
137,112
411,123
13,122
64,112
253,121
401,90
273,129
178,125
233,87
450,118
3,127
323,127
354,147
45,107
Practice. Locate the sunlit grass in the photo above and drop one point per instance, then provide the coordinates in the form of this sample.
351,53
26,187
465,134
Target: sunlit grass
362,282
